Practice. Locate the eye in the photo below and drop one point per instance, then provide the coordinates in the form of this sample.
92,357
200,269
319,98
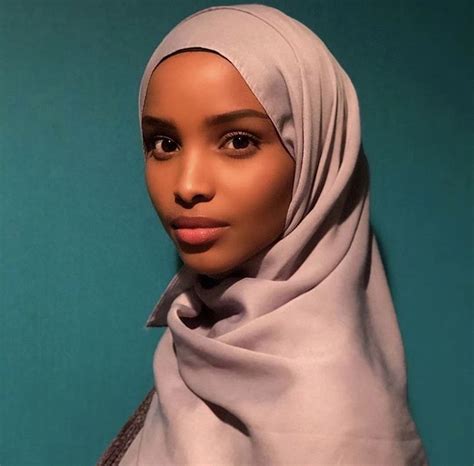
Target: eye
159,146
242,142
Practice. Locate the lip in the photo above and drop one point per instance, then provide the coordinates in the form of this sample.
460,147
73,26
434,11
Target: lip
196,222
197,236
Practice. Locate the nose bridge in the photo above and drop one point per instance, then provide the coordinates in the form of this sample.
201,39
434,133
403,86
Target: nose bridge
194,175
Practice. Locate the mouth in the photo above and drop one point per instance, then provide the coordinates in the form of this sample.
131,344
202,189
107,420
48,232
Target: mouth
196,222
198,236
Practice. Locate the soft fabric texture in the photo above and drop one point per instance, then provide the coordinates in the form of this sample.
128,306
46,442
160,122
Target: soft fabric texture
298,360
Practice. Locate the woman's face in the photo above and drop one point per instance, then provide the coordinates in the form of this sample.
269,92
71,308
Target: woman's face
213,152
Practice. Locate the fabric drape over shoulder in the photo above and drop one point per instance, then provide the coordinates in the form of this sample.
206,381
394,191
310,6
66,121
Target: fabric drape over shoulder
298,359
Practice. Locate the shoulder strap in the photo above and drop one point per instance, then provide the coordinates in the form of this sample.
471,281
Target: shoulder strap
121,442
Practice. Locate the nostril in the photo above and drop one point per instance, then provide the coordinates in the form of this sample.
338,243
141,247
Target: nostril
191,199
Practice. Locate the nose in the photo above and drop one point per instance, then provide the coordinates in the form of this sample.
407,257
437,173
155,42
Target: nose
194,182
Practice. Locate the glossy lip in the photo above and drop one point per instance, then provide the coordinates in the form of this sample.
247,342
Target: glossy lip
196,222
199,236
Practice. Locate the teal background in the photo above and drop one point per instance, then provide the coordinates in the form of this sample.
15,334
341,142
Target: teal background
83,258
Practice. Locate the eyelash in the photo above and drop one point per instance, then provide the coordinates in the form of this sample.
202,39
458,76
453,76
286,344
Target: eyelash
242,152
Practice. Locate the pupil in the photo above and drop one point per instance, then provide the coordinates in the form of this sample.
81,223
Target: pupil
240,138
167,144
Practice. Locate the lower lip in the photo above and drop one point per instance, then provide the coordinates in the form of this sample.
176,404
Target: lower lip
199,235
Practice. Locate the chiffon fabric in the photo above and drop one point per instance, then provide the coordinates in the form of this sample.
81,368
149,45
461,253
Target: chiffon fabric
297,358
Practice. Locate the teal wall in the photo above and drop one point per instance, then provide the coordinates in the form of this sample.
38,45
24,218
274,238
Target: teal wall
83,258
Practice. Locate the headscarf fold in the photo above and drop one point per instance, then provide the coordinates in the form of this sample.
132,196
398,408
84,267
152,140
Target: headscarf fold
295,358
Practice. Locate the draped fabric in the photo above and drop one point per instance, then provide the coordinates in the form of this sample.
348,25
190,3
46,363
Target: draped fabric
298,358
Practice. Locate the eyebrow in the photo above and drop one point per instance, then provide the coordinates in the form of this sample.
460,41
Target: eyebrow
213,120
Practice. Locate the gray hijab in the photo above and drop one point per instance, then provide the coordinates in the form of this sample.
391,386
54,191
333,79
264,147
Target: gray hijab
302,362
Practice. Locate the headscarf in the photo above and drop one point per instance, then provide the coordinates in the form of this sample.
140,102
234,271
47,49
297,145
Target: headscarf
298,358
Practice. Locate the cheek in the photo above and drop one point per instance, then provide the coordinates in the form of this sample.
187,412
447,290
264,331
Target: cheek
158,187
264,195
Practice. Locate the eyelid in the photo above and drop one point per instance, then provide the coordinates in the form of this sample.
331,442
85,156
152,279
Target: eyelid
256,141
150,141
231,134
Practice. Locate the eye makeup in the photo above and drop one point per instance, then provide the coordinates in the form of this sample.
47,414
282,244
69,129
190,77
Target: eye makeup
253,144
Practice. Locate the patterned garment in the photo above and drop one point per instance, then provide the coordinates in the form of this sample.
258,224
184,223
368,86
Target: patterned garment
119,445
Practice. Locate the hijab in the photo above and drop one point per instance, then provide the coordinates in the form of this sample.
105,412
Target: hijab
297,359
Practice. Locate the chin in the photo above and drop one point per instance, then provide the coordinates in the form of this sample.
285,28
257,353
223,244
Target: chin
209,267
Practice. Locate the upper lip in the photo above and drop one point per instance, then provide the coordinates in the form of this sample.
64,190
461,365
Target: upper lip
196,222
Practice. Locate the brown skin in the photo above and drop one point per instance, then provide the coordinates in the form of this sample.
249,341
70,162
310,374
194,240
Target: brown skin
198,169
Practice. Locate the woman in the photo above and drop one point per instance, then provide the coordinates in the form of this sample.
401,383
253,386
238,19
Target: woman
283,346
